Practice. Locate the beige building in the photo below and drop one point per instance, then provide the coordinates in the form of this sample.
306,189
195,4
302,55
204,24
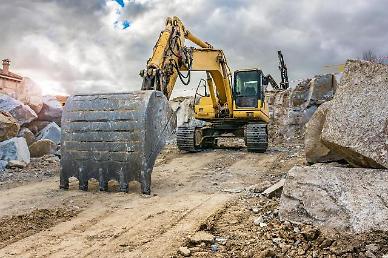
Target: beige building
10,83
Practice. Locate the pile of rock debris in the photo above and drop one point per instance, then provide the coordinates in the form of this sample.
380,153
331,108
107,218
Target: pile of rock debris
28,130
291,109
346,140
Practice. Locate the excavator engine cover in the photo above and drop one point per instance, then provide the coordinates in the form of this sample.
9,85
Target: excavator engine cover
114,137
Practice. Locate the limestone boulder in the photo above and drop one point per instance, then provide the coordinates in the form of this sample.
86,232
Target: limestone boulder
344,199
22,113
51,132
315,150
9,127
43,147
15,149
51,110
357,123
28,135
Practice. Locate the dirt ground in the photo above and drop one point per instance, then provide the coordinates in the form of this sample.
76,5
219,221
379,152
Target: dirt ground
214,191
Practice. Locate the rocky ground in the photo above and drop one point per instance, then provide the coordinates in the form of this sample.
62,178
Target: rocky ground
249,226
206,204
38,170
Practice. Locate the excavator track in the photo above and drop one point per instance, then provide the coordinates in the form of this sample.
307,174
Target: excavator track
114,137
185,137
256,137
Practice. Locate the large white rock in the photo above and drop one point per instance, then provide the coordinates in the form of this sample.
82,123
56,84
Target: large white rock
15,149
357,123
22,113
346,199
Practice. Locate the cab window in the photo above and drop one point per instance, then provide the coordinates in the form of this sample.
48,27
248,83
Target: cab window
247,88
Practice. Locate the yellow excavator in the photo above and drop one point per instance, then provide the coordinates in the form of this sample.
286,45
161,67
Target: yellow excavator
118,136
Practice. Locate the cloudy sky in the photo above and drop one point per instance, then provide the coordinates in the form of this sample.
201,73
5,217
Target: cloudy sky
68,46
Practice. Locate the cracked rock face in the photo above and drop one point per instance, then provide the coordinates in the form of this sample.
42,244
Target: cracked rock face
315,150
345,199
357,123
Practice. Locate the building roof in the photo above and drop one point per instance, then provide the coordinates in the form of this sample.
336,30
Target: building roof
10,76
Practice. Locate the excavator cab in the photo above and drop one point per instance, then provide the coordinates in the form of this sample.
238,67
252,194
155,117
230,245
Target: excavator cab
248,88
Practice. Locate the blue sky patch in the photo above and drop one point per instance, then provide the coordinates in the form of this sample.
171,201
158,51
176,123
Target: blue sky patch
126,24
121,3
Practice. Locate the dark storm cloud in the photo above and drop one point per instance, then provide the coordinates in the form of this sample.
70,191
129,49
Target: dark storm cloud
74,44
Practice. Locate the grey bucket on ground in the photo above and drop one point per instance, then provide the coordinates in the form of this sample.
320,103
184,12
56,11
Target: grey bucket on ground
114,137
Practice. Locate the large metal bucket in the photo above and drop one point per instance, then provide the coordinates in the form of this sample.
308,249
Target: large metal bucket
114,137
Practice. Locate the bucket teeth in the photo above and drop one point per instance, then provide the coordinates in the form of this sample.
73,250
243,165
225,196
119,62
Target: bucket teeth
114,137
102,180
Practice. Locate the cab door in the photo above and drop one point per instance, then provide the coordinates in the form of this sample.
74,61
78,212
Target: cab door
247,90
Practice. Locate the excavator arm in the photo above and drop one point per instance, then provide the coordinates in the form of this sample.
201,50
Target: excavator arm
284,84
171,57
169,54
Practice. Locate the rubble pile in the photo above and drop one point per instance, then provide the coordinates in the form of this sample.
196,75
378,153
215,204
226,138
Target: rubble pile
353,126
291,109
29,128
250,227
